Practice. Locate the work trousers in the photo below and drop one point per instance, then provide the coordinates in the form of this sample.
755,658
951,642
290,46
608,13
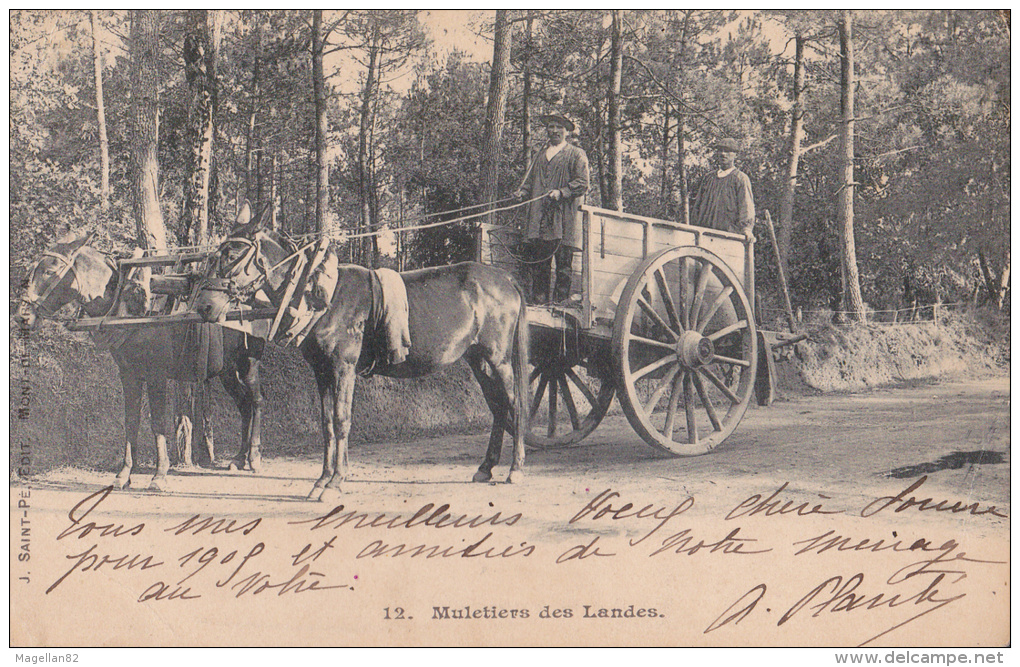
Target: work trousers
540,254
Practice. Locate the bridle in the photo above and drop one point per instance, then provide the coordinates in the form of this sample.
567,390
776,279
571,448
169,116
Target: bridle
226,275
252,256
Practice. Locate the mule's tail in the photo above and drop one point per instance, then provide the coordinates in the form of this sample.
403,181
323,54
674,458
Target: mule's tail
522,389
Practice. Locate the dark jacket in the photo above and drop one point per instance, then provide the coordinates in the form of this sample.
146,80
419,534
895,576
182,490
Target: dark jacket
568,172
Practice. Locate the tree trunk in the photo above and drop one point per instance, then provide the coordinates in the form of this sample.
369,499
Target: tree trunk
250,161
784,235
1000,298
615,195
665,189
200,73
281,221
852,299
496,112
373,185
104,143
367,95
145,53
995,285
600,158
526,99
681,131
321,163
273,220
681,164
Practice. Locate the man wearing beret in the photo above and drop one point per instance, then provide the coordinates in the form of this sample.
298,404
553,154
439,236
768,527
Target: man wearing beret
723,200
558,173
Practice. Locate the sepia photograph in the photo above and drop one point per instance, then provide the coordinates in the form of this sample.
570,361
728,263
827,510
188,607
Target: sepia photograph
585,328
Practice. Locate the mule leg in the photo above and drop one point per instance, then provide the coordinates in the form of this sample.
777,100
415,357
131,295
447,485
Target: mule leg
249,372
157,410
238,393
494,401
158,395
343,399
326,399
505,374
205,401
132,416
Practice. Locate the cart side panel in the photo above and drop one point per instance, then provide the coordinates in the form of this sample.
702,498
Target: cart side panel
618,243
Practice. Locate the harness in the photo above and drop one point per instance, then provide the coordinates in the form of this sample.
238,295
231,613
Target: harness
304,267
39,303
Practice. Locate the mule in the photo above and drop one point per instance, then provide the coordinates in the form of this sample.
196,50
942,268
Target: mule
466,310
73,272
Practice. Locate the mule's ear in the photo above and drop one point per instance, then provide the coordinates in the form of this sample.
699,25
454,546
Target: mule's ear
264,215
74,240
244,215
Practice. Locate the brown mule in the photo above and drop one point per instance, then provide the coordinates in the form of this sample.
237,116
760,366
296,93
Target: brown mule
73,272
467,310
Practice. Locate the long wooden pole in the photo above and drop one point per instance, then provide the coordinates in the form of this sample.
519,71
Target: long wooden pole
782,274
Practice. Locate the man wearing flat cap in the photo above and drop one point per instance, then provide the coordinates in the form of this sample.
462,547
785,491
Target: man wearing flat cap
723,199
558,173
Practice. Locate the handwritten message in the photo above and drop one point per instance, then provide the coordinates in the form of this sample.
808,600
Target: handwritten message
903,578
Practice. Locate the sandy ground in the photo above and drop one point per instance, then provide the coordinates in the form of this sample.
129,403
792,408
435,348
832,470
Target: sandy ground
837,451
847,444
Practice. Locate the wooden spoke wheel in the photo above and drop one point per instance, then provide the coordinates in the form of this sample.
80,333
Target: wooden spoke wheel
685,348
569,395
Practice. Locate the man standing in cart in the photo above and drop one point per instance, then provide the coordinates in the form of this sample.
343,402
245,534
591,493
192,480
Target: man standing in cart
558,173
723,200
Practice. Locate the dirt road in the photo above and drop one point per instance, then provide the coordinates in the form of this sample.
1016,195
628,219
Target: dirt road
957,434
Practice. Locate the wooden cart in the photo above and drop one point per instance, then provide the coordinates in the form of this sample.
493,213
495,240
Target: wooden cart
664,321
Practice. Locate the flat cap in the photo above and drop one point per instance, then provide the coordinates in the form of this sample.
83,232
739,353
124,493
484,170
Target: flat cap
726,144
562,120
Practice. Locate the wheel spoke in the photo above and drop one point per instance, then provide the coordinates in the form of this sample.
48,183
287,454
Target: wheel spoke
534,374
537,400
552,406
699,293
655,365
730,360
716,304
568,401
707,402
654,316
674,401
667,299
656,396
692,423
653,343
726,331
589,396
682,293
719,384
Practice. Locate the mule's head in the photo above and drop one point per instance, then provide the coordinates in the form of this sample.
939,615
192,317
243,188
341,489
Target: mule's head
68,272
242,266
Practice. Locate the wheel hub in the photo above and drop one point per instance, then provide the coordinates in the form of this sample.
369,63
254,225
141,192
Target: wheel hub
693,349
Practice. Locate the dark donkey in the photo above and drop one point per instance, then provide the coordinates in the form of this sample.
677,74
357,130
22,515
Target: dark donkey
73,272
467,310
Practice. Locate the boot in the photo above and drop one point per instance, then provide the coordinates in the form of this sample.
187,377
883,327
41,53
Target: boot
564,274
